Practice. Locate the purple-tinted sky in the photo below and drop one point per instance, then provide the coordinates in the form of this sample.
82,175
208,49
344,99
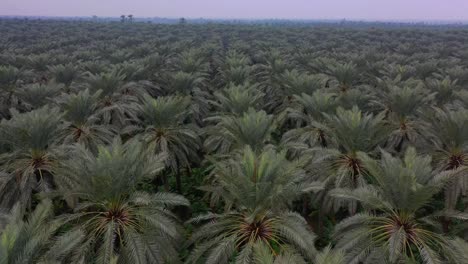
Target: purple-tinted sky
333,9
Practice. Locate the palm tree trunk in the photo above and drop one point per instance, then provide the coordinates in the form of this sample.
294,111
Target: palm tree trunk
445,222
178,178
178,182
166,183
189,171
305,206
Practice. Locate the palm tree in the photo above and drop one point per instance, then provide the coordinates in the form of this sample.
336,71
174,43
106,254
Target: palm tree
351,132
237,99
192,61
330,256
257,190
163,124
113,221
154,66
444,87
269,75
191,83
235,69
37,95
32,152
448,132
395,224
253,128
9,77
40,62
345,76
296,83
403,105
25,241
184,83
261,254
308,112
65,73
117,103
82,125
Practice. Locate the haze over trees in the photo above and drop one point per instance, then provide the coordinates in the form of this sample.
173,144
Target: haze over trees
217,143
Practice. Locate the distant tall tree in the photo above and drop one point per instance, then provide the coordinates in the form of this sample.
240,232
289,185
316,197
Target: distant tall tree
122,18
130,18
182,21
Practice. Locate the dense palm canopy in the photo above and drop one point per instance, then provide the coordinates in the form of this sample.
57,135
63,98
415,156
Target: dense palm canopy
285,143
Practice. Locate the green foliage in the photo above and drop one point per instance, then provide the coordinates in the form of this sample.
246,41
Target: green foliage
253,128
396,231
286,144
24,241
119,223
257,190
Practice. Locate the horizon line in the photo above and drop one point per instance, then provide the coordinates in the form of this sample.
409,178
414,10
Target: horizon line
258,19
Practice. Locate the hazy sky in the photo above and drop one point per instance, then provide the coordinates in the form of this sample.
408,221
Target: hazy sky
350,9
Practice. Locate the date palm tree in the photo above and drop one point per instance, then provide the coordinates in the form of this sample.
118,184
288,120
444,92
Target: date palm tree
308,111
352,132
257,191
269,75
392,226
163,124
262,255
296,83
116,102
10,76
113,221
190,83
36,95
253,128
444,87
403,102
31,156
25,241
236,69
65,73
345,76
448,132
237,99
82,123
192,61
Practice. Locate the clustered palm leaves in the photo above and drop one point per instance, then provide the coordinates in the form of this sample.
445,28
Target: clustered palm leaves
392,225
217,143
112,221
256,190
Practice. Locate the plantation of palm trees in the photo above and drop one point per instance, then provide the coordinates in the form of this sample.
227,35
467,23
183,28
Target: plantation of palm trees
247,144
